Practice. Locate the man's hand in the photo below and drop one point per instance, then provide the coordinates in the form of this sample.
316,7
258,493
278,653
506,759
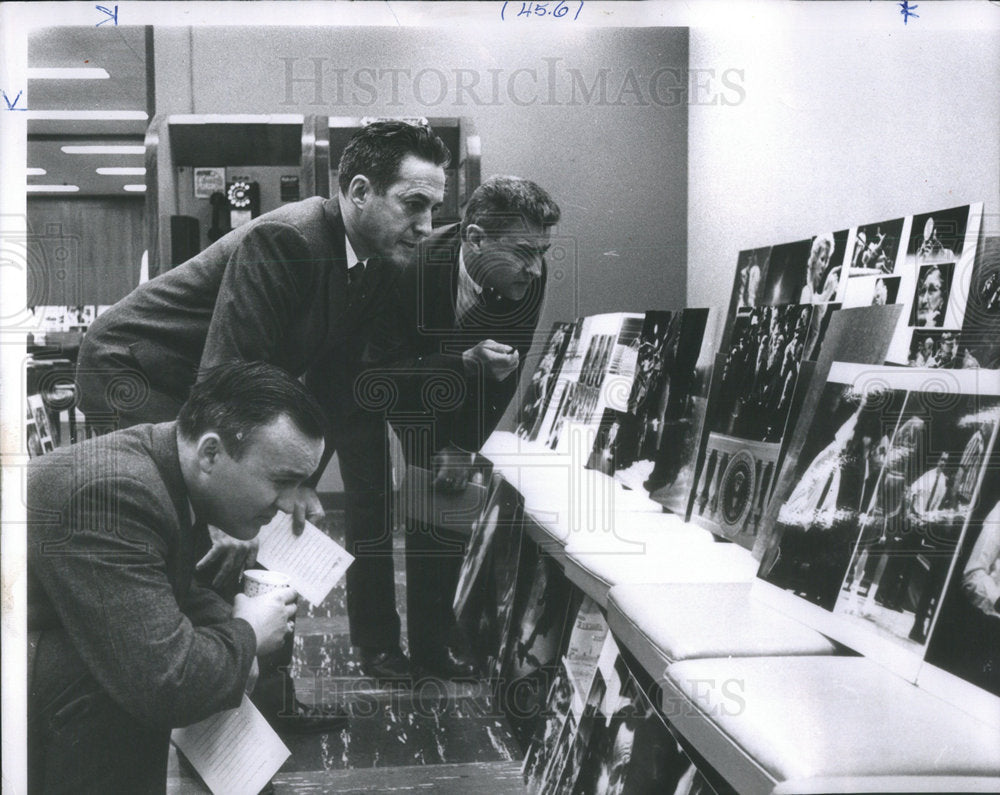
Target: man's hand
269,614
307,508
498,361
233,557
452,468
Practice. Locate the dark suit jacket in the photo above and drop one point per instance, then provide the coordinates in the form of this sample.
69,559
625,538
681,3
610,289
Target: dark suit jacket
110,565
430,339
273,290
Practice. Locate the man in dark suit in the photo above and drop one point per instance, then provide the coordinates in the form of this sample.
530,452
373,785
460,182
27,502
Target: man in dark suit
124,645
467,316
302,287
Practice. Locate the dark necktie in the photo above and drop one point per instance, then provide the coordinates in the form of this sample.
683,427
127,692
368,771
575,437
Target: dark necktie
355,281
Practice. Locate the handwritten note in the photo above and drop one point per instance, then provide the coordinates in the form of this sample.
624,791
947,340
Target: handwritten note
541,8
235,751
313,561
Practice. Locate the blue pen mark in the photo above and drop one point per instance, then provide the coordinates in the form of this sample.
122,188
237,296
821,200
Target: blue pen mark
11,105
542,8
112,16
907,11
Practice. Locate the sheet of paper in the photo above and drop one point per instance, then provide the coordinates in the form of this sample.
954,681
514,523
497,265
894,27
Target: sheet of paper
313,561
235,751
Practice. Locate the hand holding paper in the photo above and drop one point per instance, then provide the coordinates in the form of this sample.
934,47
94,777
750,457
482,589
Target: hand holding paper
312,561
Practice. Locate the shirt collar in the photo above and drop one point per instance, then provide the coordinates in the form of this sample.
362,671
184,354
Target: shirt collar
468,290
352,258
465,276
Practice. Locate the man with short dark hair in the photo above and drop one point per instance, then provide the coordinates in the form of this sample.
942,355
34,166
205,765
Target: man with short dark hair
302,287
124,645
467,316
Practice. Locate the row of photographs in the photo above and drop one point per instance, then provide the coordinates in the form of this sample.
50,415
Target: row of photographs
924,262
607,739
886,522
887,526
595,729
705,432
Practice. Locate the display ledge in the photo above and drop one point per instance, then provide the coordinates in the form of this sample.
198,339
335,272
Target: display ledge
596,573
664,623
564,500
830,724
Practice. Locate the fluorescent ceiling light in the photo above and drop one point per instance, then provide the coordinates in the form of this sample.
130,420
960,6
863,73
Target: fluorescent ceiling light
81,73
104,150
122,170
53,188
36,172
135,188
87,115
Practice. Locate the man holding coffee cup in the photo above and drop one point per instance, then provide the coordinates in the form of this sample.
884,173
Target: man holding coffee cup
124,645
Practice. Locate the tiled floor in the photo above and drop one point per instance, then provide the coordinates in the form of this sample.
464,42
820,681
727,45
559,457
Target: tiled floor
435,737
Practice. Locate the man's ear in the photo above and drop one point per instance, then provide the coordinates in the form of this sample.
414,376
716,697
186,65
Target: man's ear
210,450
474,235
359,191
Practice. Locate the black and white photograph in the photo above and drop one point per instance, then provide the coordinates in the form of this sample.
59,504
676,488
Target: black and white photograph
930,301
658,426
751,271
369,370
965,639
807,271
876,248
937,273
760,372
484,595
872,530
979,342
930,485
539,390
840,464
935,350
937,237
757,381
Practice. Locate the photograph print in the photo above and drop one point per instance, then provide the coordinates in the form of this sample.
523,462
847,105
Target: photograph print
886,485
837,471
760,372
876,248
936,274
930,301
895,581
660,409
965,639
979,343
751,268
806,271
622,434
937,350
539,391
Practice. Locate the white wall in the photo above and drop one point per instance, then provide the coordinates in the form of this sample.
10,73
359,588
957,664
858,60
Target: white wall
840,125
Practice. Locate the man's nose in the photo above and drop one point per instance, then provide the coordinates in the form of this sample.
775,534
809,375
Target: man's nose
424,224
286,499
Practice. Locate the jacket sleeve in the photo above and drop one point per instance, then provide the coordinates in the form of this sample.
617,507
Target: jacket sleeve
203,606
107,580
263,293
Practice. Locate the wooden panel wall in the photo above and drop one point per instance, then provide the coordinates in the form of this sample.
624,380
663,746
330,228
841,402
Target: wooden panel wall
83,250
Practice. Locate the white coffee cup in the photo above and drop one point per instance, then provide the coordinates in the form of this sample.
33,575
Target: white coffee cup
258,581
